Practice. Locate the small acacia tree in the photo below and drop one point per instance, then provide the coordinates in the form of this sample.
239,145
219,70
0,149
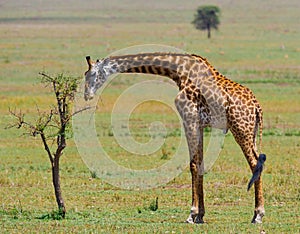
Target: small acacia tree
53,126
207,18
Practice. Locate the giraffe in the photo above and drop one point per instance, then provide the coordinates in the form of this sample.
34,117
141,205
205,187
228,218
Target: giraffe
205,98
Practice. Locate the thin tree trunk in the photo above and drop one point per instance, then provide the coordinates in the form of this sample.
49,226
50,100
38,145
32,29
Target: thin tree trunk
208,31
56,184
61,144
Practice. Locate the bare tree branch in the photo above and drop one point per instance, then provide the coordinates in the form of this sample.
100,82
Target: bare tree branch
20,121
79,111
47,147
51,79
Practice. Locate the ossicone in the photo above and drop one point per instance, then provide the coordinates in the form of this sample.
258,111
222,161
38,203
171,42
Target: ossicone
89,61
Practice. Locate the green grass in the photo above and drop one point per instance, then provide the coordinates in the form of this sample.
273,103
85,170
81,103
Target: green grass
94,205
257,45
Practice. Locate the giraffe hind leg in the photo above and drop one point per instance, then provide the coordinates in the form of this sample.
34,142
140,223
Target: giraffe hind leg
256,164
257,170
259,211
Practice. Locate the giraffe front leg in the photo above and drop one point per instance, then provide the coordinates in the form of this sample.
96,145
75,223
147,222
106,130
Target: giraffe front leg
197,171
197,210
189,113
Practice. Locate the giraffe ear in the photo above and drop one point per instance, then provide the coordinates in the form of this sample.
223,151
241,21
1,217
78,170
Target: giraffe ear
89,61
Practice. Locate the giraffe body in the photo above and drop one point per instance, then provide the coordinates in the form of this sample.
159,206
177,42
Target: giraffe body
205,98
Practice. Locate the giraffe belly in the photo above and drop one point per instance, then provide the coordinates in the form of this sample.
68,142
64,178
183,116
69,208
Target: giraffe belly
216,120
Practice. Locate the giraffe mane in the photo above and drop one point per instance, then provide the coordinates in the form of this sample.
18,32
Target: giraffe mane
148,54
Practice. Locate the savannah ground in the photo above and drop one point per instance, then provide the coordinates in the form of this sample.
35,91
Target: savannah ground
257,45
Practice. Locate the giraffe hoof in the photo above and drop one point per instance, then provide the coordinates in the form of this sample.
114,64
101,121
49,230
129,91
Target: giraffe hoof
189,220
199,220
257,218
194,219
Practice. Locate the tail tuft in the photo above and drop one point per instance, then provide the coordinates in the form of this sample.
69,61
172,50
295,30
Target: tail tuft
257,170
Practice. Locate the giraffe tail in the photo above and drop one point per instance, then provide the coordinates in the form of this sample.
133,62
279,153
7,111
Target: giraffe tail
259,124
262,157
257,170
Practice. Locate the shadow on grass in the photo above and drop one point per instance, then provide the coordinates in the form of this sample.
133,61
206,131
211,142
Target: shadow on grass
54,215
17,213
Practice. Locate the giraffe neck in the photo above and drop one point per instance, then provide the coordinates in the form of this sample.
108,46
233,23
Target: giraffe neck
174,66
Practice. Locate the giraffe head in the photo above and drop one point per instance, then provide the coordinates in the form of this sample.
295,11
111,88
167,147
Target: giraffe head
95,76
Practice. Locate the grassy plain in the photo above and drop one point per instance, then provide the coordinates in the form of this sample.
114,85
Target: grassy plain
257,45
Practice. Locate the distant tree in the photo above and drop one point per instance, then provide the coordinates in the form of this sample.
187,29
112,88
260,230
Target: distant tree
53,126
207,18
